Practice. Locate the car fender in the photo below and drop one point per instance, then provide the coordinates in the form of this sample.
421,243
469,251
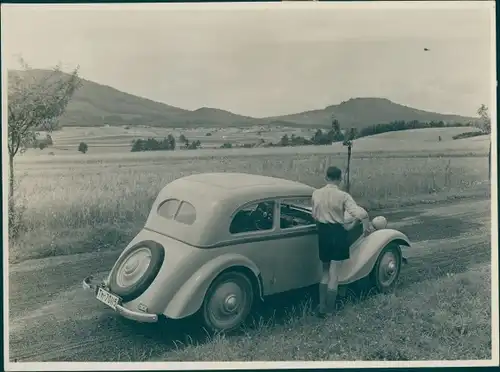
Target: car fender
366,254
190,296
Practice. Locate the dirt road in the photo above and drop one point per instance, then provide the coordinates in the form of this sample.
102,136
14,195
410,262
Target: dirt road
53,319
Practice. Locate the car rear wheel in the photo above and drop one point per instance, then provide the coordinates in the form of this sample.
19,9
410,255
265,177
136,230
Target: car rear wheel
136,269
387,269
228,302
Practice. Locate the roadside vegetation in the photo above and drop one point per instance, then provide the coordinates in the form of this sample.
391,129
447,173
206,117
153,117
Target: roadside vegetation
438,319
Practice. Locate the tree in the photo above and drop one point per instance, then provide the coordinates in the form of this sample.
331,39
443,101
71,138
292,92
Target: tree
171,141
42,145
83,147
284,141
183,139
335,126
35,100
485,126
193,145
485,121
350,135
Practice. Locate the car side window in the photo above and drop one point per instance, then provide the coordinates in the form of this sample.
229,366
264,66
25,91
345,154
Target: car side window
296,212
253,217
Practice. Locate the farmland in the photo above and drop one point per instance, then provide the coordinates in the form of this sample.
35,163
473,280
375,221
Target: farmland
78,202
118,139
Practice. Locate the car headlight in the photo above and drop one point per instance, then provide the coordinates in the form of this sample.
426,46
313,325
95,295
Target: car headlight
133,267
379,222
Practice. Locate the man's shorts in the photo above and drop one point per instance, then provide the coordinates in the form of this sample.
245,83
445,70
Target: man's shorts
333,242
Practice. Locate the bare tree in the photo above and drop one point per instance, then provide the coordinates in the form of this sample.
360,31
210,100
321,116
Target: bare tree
485,126
35,101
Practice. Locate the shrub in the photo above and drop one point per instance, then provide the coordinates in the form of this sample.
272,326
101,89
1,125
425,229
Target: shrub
468,135
83,147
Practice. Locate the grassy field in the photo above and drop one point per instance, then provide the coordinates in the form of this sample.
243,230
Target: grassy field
444,319
76,204
118,139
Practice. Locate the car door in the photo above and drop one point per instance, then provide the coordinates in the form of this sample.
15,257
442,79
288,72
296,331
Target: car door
297,263
253,229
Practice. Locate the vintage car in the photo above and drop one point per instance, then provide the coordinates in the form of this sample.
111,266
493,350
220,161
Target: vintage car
215,244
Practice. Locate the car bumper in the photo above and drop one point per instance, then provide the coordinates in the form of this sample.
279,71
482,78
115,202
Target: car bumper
137,316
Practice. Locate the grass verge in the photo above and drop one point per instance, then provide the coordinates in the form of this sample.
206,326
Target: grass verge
444,319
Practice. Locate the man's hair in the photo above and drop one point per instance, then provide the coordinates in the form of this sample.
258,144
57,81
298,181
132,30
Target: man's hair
333,173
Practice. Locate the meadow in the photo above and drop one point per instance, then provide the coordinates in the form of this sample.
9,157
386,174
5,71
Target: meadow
86,202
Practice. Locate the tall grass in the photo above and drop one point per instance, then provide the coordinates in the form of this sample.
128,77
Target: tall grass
109,198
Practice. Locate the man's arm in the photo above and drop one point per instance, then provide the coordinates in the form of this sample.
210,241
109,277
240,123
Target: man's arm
356,211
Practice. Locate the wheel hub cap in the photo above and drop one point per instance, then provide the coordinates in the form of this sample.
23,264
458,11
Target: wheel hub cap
227,304
388,269
231,303
391,268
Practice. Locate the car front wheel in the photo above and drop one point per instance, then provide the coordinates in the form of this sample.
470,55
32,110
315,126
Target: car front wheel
228,302
386,272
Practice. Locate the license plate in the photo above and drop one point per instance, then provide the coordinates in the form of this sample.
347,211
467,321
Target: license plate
107,298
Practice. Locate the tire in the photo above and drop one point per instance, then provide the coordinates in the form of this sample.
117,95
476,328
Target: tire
384,277
228,302
118,284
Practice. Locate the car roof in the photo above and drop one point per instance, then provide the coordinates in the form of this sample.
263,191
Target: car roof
233,181
216,197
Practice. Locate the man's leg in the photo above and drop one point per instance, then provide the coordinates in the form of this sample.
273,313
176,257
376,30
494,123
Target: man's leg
332,286
323,286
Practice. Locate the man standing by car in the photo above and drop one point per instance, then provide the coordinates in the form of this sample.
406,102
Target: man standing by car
329,205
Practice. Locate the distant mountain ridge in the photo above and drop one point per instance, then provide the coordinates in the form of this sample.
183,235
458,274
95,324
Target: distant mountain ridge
96,105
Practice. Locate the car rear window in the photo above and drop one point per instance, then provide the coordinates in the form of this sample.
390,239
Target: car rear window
168,208
186,213
180,211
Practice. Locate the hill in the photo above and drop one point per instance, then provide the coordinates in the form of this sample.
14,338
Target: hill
361,112
97,105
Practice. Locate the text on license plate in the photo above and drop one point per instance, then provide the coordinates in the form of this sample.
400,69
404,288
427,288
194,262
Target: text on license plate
107,298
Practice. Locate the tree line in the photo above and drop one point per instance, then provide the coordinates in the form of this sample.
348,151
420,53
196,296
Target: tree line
335,134
166,144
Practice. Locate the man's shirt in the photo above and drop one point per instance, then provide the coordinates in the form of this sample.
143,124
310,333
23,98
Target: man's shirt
329,205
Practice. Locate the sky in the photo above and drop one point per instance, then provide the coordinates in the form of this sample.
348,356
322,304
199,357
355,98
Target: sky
265,60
